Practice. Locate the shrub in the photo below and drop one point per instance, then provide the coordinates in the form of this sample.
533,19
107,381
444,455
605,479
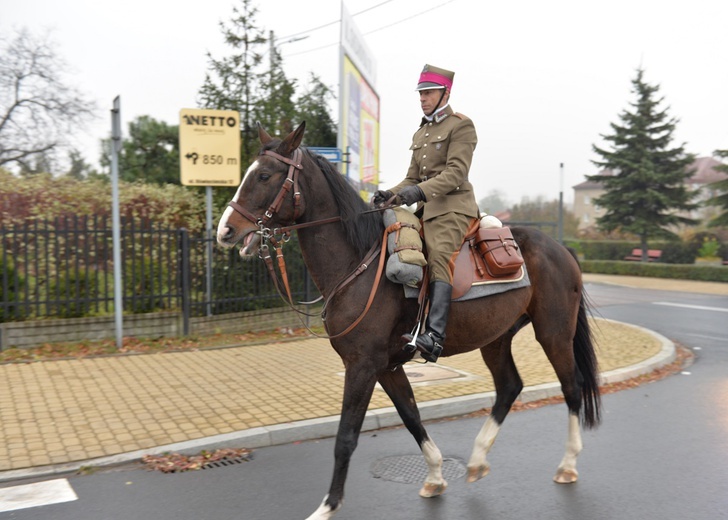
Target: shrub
9,280
706,273
146,282
606,249
73,294
709,249
677,253
723,251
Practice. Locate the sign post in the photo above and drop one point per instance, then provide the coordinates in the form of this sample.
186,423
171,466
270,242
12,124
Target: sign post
209,144
116,221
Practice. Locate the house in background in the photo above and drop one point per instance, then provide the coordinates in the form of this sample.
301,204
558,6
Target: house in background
585,193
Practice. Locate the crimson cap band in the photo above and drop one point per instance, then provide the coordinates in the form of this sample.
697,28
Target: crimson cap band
433,77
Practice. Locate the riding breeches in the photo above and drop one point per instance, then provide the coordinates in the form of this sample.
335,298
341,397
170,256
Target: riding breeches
444,236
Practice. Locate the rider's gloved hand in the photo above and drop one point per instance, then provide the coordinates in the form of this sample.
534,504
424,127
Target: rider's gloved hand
410,195
381,196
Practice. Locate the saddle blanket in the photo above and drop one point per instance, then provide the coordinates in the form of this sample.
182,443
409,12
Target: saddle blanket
481,290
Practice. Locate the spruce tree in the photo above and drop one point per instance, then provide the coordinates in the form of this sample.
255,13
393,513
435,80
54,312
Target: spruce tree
720,188
232,82
312,107
647,190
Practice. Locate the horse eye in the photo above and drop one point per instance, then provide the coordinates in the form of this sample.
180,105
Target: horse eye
263,176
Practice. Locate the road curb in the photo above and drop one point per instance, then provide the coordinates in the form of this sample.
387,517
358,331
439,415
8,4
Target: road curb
318,428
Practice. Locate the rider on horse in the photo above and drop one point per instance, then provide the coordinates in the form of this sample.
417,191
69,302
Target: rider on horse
437,179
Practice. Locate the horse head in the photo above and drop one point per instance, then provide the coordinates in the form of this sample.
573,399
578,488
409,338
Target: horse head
268,196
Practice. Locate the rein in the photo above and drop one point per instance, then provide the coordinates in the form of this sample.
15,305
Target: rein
268,235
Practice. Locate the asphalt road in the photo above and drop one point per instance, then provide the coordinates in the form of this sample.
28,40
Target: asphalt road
661,452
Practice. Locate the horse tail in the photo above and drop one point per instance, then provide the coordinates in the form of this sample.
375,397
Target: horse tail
586,363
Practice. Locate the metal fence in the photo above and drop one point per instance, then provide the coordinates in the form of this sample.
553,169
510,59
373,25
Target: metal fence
63,268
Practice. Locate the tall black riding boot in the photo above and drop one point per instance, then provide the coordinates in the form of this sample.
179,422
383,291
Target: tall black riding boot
431,342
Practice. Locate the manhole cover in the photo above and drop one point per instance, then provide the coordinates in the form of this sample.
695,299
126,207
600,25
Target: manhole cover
418,374
411,469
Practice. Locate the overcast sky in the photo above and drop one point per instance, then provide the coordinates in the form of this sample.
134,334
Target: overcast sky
541,80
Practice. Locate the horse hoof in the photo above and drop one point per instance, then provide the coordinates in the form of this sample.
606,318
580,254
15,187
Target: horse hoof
566,476
433,490
476,473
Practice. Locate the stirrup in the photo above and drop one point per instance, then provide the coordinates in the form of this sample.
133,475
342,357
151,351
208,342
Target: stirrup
431,356
408,343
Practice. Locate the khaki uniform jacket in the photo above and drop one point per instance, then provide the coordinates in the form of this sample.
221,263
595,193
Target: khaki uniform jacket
442,151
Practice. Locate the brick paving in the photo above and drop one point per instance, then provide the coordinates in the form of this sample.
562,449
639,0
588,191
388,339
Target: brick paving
58,412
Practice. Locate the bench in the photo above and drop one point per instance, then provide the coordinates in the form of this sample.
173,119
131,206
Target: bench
653,255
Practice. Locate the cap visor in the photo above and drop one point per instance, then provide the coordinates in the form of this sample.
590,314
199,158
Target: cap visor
426,85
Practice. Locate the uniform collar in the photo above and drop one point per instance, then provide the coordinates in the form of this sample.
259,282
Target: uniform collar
438,116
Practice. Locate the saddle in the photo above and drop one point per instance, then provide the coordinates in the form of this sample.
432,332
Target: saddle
488,255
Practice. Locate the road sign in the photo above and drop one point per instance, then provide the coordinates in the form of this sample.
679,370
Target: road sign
209,144
331,154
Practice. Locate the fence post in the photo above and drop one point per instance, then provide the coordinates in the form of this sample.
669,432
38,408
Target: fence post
184,265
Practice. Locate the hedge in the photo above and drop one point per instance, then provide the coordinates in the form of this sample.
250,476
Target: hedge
706,273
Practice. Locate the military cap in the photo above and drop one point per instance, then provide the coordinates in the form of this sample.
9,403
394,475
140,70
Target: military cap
434,78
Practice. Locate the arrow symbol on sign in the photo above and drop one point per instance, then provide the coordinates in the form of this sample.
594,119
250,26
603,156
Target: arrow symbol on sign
192,156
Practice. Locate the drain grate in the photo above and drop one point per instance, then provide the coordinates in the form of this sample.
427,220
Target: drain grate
410,469
225,462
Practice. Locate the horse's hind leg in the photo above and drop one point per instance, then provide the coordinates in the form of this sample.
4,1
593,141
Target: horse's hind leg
358,387
572,356
508,385
399,390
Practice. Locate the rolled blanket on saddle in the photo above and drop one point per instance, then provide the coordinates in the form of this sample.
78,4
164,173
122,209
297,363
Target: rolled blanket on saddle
406,260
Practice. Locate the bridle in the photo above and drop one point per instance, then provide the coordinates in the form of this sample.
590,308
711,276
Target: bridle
268,235
294,166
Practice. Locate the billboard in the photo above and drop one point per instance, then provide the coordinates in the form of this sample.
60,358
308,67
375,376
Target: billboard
359,110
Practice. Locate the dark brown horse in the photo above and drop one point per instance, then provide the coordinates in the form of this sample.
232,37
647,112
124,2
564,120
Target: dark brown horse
288,186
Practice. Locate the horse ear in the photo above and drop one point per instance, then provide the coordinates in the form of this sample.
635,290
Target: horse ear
292,140
263,135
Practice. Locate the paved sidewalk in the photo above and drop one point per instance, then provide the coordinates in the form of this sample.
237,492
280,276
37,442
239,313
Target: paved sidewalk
57,416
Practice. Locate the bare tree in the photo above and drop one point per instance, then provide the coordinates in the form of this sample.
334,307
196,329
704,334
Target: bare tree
39,111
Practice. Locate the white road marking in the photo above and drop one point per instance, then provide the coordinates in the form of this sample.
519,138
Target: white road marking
696,307
35,495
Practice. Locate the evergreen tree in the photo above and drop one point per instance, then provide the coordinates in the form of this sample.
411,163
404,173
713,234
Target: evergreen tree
721,190
232,82
275,108
647,191
79,169
150,154
313,107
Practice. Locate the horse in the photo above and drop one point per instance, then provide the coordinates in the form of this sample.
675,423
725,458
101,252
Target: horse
288,187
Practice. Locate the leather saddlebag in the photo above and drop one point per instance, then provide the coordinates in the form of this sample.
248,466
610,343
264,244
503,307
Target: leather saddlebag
499,250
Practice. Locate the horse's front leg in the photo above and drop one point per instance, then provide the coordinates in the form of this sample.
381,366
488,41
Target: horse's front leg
359,384
399,390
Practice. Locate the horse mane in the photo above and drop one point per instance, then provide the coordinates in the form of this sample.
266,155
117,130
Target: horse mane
361,229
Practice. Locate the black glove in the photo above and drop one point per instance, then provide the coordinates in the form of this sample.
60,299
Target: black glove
410,195
381,196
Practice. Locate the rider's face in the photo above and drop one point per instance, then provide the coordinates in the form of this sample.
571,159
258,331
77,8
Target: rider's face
429,100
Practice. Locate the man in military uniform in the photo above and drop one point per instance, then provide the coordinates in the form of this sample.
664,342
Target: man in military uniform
437,179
